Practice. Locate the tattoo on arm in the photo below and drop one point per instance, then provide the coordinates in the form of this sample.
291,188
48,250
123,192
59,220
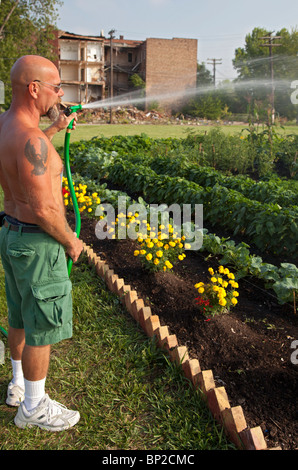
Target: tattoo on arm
38,160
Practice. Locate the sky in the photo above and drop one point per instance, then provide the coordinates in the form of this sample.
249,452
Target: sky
220,26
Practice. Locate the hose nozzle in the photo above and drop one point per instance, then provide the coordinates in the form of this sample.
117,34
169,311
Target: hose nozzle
72,109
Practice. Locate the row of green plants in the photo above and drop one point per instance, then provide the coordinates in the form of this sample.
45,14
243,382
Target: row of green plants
283,279
268,226
253,151
272,191
172,157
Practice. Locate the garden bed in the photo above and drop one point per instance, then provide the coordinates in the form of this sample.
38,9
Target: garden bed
248,350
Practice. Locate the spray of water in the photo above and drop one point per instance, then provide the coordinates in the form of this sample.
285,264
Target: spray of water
135,98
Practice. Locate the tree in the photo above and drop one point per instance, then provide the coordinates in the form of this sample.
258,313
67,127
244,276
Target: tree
26,27
253,65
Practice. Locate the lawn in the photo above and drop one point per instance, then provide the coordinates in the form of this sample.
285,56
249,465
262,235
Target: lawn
86,132
130,396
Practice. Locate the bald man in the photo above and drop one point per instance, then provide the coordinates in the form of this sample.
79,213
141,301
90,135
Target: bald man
33,241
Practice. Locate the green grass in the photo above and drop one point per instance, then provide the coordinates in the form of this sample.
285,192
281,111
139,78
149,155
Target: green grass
130,396
86,132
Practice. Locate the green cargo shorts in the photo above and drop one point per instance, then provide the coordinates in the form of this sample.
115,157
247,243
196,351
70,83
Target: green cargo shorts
38,288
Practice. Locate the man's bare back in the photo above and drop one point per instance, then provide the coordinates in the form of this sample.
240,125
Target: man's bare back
30,167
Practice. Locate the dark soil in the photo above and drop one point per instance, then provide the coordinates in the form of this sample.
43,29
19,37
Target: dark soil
248,350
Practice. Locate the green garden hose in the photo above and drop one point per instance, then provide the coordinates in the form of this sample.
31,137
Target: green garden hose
68,111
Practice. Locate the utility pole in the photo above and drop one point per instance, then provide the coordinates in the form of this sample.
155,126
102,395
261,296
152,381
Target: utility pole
270,45
111,73
214,62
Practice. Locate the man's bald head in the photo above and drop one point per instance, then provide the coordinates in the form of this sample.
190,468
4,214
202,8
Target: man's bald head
29,68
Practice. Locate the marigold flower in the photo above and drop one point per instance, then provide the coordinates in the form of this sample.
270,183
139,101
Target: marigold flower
156,261
199,284
136,253
159,253
222,302
234,301
149,257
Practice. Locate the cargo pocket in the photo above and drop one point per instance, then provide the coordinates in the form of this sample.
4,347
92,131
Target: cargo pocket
18,252
53,304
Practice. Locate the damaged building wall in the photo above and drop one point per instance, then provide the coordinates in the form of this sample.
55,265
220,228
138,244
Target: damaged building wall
81,65
166,65
125,64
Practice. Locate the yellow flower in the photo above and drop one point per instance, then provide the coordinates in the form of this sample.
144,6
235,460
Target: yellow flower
199,284
156,261
219,280
136,253
201,290
215,288
226,271
89,210
180,257
187,246
168,264
143,252
213,279
159,253
235,293
222,302
149,257
234,301
211,271
150,244
221,269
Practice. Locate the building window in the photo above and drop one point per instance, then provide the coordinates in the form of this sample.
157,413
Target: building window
130,57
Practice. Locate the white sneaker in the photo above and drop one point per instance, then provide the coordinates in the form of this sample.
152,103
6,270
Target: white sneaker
48,415
15,394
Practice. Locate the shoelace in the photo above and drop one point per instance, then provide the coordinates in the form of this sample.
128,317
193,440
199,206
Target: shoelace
54,409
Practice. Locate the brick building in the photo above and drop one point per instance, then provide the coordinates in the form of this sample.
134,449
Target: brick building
87,72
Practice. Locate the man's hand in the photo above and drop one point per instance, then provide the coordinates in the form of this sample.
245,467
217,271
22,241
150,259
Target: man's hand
75,249
62,122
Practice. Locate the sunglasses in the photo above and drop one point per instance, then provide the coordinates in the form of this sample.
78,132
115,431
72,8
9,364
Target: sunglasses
56,87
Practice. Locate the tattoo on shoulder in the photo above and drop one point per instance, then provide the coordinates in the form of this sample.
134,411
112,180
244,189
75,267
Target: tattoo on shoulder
37,158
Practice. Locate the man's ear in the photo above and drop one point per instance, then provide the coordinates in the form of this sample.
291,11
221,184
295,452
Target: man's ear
33,89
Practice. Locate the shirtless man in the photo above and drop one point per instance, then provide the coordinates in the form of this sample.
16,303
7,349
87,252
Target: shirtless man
33,241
